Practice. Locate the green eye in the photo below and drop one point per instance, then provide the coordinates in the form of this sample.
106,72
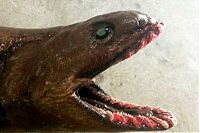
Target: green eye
102,32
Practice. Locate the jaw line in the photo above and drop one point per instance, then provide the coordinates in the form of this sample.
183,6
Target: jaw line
148,117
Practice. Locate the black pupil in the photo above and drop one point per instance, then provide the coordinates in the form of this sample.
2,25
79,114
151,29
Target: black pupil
102,32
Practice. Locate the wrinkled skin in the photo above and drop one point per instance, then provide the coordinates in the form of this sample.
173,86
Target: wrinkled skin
38,78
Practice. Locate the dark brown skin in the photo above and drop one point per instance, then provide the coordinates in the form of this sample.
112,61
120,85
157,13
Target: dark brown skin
40,69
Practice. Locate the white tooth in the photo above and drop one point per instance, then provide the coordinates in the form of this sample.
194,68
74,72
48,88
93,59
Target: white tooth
143,126
100,111
159,121
109,114
94,79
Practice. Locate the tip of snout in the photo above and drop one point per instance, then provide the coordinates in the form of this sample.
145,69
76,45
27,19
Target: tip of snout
159,27
145,20
152,20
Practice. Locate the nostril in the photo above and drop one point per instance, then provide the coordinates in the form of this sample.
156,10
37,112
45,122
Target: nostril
142,22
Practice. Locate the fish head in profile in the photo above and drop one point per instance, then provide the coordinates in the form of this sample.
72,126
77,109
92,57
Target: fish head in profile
64,94
95,45
108,39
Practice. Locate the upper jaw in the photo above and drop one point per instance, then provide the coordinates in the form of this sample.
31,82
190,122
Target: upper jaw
137,41
149,33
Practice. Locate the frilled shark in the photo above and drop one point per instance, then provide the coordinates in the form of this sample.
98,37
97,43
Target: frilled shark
46,76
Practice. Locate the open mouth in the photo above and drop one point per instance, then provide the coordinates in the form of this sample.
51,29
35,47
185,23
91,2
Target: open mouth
123,114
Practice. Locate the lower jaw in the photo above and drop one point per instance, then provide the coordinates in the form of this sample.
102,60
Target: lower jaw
129,116
144,120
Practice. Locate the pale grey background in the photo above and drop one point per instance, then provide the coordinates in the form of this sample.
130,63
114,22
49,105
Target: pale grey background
164,74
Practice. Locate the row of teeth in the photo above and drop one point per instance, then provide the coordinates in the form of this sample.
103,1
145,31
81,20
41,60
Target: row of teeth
164,120
137,122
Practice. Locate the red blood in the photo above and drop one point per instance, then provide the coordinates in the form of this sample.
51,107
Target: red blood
118,118
128,119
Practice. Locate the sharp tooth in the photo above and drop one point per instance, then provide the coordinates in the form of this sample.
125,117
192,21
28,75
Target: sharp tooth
100,111
163,123
169,117
137,121
94,79
109,114
118,118
149,123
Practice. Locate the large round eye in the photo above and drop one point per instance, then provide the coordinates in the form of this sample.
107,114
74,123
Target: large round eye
102,32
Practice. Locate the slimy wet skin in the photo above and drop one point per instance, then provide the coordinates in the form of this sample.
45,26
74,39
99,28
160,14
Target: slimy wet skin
46,76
